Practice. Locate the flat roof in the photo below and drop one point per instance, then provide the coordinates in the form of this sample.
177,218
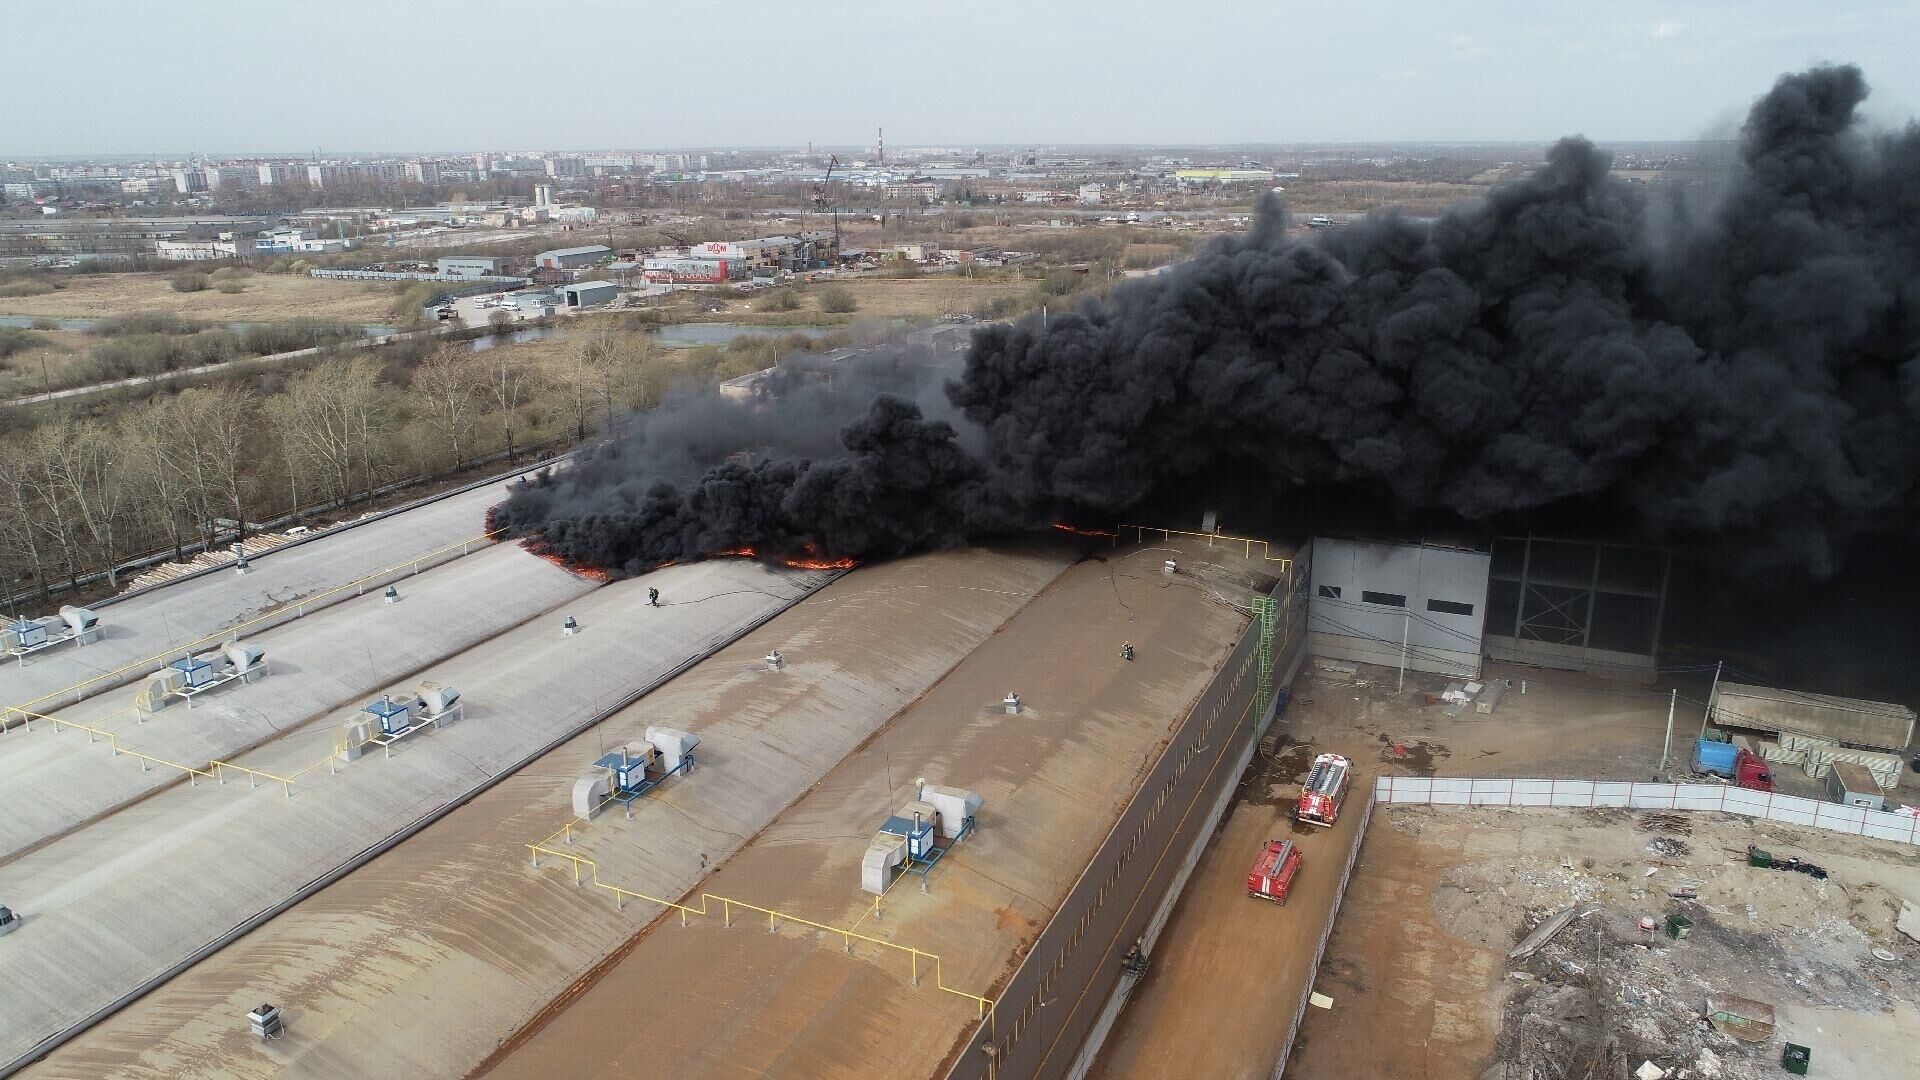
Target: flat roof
590,249
1053,778
150,624
1878,724
578,285
174,871
380,956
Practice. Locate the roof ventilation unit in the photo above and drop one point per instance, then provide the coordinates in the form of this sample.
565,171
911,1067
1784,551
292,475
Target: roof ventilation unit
265,1022
1011,703
23,636
189,677
635,769
387,721
915,838
9,922
775,661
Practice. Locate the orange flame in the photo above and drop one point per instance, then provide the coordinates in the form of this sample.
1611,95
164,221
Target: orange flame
811,559
1077,531
822,564
588,572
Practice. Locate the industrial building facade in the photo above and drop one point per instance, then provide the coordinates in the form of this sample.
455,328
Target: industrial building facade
1385,603
1577,605
470,265
587,294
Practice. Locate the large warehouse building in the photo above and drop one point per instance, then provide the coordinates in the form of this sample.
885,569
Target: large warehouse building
1384,603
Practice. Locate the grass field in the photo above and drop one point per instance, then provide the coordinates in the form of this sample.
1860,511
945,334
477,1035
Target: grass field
918,298
267,298
32,370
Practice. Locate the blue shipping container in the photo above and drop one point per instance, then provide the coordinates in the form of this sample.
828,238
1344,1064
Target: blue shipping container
1714,757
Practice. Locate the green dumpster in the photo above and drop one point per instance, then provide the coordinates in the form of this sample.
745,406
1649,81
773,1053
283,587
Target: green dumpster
1679,926
1756,857
1796,1059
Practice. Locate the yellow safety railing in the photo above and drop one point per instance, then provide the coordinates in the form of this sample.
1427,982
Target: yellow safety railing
94,734
1248,543
358,584
916,957
215,769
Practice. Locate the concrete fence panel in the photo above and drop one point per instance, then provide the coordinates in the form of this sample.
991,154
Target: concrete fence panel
1577,794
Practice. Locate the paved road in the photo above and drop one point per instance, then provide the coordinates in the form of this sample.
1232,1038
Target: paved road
173,616
207,369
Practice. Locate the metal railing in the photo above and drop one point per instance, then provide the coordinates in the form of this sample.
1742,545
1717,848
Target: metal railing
983,1006
298,609
1247,543
147,761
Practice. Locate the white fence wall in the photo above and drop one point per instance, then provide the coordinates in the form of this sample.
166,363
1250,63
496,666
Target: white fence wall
1786,809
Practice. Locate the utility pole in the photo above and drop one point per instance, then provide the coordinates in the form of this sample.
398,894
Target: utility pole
1712,696
1406,632
1672,702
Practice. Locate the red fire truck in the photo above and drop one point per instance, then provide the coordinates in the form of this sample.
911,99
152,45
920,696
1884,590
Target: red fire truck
1326,786
1273,872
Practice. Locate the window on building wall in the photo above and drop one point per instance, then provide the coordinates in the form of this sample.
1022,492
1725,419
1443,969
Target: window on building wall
1385,599
1449,607
1331,592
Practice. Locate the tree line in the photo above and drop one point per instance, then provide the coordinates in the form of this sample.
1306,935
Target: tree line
82,493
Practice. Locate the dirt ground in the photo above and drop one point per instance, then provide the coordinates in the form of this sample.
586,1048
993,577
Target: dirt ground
1422,987
1175,1017
758,1000
268,298
1561,725
1414,994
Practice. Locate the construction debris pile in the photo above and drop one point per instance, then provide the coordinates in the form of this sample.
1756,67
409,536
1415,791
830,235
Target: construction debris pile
1666,959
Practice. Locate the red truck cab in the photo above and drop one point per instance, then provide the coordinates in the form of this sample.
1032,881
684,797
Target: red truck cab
1750,771
1273,871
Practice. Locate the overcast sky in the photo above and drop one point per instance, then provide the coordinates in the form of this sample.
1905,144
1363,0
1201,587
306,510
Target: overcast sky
233,76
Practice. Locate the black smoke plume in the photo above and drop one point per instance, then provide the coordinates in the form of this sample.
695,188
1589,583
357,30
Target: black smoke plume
1742,373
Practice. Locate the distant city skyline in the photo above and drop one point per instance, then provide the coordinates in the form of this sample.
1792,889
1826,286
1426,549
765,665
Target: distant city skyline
224,77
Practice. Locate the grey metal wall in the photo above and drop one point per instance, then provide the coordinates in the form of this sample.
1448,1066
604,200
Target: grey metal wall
1433,582
1074,965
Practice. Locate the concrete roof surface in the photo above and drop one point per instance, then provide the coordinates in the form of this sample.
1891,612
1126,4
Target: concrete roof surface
422,961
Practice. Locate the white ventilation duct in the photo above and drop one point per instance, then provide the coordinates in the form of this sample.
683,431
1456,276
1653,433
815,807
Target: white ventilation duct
674,745
589,792
953,806
438,700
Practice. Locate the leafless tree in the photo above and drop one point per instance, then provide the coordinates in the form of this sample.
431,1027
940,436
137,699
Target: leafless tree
510,385
447,383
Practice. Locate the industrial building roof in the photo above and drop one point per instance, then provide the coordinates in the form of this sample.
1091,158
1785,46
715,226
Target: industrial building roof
1877,725
593,285
590,249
